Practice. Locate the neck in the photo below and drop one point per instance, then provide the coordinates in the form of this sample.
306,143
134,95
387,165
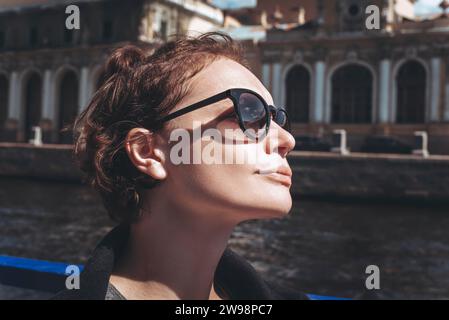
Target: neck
172,254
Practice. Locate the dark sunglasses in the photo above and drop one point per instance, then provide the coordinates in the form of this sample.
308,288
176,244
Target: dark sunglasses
252,111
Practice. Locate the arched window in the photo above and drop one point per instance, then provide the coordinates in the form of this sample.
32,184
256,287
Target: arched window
298,94
411,93
4,87
68,105
352,95
33,101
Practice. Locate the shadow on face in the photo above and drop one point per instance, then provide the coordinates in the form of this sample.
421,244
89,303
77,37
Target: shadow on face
232,191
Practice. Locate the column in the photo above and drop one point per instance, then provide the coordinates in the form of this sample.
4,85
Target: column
277,84
48,111
384,91
435,89
446,107
49,123
14,96
266,75
318,108
84,94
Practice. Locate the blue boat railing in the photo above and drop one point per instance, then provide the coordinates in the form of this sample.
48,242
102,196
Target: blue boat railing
33,274
48,276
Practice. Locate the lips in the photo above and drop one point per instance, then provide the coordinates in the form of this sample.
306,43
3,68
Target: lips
281,174
285,170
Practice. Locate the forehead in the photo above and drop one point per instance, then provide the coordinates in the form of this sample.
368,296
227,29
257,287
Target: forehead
220,75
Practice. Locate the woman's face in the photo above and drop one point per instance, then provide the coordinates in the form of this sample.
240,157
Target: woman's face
232,189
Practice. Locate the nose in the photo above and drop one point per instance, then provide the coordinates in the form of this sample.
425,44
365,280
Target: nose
279,140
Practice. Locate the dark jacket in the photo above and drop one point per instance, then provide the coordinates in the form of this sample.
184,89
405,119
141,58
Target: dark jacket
233,274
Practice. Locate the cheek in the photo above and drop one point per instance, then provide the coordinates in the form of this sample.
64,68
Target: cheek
224,173
233,186
225,165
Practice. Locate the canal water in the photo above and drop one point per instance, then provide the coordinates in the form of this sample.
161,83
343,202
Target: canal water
323,247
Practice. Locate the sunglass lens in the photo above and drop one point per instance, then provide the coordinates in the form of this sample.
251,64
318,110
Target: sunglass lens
253,114
282,119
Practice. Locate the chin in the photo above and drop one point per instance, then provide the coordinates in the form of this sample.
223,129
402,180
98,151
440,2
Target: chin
282,210
273,214
280,201
273,208
263,201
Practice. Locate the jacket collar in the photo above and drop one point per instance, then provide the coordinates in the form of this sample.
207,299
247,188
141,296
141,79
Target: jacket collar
234,274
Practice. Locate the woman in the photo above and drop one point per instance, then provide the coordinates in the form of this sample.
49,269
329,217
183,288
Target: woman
176,216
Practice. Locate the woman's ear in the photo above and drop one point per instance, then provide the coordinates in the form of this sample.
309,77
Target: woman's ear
145,154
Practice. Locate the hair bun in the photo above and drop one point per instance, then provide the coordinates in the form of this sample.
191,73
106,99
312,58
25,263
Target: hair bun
124,59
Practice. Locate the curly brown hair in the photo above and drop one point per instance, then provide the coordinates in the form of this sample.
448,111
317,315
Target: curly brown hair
140,87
